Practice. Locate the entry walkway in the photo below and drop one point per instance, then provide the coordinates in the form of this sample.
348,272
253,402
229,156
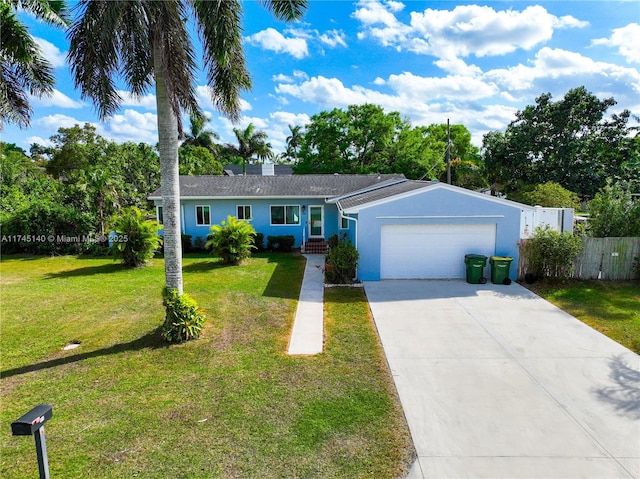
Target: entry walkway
497,383
307,336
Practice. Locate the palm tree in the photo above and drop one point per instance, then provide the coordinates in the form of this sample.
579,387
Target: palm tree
22,65
199,136
147,43
293,142
251,142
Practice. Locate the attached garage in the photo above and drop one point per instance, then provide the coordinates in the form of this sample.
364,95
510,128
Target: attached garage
425,251
421,230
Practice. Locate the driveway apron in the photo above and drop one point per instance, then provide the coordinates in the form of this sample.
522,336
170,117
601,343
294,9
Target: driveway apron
496,382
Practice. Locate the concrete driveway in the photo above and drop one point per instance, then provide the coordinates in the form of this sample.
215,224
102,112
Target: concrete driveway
496,383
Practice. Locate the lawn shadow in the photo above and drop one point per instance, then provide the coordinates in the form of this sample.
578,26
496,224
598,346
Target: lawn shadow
625,395
87,271
204,266
282,283
151,340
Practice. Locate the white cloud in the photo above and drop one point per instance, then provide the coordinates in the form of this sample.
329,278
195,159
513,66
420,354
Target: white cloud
466,30
147,101
203,96
282,78
40,141
56,99
562,69
52,53
271,39
53,122
131,125
627,39
457,87
333,38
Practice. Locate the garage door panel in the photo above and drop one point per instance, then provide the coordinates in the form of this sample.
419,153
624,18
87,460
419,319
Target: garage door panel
432,251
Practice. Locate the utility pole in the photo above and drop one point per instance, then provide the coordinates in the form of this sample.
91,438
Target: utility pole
448,153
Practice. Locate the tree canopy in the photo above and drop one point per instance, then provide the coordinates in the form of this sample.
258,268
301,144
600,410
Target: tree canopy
365,139
569,142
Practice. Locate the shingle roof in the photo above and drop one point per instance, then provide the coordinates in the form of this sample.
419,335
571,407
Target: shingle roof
319,186
351,201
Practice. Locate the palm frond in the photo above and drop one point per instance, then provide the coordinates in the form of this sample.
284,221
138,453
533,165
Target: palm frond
286,10
54,12
93,52
220,28
23,68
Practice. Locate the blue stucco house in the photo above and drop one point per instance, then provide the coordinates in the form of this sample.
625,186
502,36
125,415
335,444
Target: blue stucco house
402,228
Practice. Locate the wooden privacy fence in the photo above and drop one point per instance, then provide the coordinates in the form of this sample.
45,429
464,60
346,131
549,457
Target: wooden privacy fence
601,258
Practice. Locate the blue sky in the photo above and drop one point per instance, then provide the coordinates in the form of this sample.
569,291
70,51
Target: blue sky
473,63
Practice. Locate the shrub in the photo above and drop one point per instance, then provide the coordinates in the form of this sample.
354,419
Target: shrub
47,228
187,245
635,267
551,195
283,244
341,263
258,241
199,244
136,238
232,240
614,212
183,320
333,240
550,254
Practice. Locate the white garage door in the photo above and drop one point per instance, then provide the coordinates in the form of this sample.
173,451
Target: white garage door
432,251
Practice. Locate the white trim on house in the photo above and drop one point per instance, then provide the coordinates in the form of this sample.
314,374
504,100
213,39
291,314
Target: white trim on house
203,215
244,211
244,197
447,217
271,223
435,186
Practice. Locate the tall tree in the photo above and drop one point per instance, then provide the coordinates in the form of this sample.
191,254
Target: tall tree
293,142
568,142
23,67
199,135
251,142
365,139
147,43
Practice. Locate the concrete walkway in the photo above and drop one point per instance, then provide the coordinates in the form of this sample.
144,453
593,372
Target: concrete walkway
497,383
307,336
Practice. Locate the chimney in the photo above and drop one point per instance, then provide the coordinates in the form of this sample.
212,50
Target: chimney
268,169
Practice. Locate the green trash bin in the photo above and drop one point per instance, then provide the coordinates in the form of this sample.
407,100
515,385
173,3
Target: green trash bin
475,268
500,269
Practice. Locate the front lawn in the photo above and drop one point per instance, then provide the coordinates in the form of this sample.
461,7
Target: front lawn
230,405
613,308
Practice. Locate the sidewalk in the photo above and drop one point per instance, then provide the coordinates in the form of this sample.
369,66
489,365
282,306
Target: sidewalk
308,326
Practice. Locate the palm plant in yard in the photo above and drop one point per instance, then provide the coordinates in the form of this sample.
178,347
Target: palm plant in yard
136,238
232,240
148,43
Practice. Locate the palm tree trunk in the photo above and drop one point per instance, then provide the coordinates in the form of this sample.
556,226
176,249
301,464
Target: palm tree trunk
169,178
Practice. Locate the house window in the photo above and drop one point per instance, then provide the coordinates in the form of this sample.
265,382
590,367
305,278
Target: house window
203,216
159,216
344,223
244,212
285,215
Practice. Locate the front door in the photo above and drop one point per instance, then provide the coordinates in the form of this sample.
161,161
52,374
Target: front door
316,221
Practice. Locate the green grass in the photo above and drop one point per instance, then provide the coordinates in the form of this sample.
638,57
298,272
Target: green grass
231,404
613,308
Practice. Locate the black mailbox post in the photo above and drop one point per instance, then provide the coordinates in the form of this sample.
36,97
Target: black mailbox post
32,424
